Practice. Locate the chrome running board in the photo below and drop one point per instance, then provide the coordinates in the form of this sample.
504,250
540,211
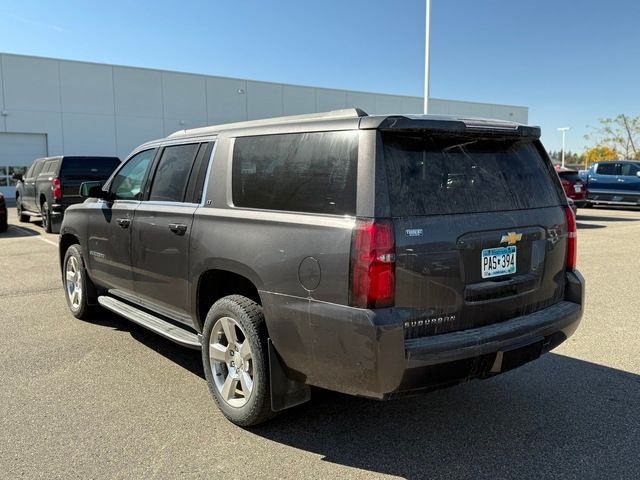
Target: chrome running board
151,322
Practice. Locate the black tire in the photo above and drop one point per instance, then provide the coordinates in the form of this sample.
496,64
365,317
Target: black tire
588,205
86,306
248,315
21,216
3,226
46,217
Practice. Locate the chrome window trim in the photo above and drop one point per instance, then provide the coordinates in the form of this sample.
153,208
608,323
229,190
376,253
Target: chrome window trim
168,203
183,141
205,187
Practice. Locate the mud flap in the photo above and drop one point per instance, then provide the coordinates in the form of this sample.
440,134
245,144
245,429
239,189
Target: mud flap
285,393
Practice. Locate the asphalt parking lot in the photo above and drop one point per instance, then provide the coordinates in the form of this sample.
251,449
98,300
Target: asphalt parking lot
108,399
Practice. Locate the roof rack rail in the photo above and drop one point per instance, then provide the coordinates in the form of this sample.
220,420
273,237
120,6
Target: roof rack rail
334,114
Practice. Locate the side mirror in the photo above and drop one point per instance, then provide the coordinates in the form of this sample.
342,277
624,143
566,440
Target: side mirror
92,190
17,177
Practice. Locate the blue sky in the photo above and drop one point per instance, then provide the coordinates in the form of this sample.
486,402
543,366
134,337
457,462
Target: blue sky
570,62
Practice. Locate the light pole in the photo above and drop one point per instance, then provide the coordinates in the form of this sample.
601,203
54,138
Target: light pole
427,35
564,131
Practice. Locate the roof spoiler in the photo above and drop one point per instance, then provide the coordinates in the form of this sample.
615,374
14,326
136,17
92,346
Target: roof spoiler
452,125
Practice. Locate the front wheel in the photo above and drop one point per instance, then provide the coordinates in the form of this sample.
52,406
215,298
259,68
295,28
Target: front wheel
235,360
77,285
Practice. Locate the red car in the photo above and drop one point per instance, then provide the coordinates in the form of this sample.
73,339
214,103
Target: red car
3,214
574,187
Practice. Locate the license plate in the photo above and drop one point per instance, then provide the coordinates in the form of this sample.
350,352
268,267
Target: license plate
577,188
498,261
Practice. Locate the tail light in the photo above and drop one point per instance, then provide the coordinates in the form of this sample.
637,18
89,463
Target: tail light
57,189
572,238
373,264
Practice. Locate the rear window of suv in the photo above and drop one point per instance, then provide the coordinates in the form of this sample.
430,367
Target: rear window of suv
572,177
431,174
88,168
300,172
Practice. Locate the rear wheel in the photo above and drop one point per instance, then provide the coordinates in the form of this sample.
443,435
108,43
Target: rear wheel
21,216
46,217
235,360
77,285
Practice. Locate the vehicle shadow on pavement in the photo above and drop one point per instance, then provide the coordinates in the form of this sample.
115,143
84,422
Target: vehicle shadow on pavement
598,218
589,226
187,358
556,417
22,230
620,208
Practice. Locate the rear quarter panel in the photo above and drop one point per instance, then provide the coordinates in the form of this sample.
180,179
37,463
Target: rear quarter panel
269,248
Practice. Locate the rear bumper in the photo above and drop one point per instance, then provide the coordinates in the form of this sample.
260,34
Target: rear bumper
364,352
563,317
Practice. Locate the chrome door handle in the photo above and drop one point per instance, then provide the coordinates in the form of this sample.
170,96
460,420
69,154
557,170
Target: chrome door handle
178,228
123,222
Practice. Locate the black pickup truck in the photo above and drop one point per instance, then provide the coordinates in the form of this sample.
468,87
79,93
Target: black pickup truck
51,185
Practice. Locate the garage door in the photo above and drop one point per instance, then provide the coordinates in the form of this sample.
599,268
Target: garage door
17,151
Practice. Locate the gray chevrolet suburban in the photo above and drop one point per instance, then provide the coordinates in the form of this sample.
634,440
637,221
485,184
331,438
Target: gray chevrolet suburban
370,255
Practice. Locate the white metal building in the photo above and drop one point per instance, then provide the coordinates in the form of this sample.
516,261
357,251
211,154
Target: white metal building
60,107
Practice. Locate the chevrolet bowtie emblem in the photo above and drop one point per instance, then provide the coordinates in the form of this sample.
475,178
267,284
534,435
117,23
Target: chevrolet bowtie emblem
511,238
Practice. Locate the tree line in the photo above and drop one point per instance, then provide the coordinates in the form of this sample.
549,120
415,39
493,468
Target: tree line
616,138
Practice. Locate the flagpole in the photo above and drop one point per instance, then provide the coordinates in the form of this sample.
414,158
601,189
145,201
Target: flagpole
427,35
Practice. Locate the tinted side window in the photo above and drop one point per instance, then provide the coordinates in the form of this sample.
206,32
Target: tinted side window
569,176
629,169
302,172
608,168
37,168
127,184
170,180
54,166
48,166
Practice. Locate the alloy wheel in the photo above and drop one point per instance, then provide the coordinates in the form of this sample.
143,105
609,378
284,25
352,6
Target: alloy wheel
231,362
73,278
